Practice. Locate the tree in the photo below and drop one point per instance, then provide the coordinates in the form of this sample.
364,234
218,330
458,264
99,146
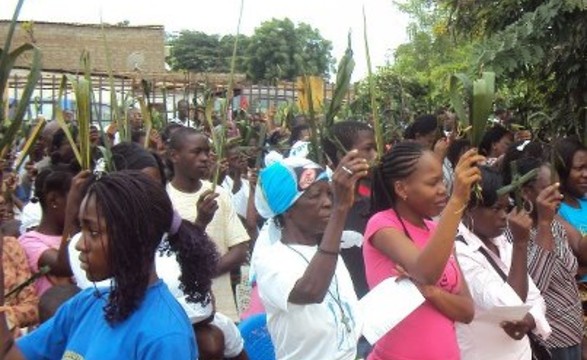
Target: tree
200,52
540,43
416,81
280,50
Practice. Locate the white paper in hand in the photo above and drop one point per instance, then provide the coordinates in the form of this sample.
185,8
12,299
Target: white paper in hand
498,314
387,305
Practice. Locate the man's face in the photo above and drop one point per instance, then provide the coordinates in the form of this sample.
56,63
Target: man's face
191,160
135,119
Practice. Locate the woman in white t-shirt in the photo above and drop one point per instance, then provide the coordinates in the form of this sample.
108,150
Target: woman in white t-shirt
303,283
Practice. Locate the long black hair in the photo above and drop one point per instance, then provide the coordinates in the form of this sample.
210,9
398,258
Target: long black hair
138,213
564,152
399,163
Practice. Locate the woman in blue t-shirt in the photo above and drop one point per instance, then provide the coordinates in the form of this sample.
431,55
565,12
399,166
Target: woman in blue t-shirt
571,165
123,217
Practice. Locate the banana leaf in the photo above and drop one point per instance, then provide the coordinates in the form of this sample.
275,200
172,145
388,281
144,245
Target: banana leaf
343,81
315,149
28,146
460,91
482,106
221,139
61,120
378,127
32,79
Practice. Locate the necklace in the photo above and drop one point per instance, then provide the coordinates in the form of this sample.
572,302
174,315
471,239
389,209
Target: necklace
344,318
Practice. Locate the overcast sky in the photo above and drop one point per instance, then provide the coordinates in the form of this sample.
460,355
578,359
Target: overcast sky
386,25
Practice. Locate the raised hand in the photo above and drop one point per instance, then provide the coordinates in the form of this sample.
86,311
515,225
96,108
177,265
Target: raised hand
519,223
351,168
207,206
547,203
467,174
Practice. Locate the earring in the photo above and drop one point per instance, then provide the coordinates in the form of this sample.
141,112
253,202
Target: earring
528,206
54,206
471,222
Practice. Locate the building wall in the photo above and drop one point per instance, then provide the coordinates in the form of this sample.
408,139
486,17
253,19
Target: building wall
62,45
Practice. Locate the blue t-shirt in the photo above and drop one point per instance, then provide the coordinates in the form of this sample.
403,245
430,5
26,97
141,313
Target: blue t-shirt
158,329
576,216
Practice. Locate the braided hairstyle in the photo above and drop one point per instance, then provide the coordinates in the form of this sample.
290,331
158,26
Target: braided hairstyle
346,133
399,163
133,241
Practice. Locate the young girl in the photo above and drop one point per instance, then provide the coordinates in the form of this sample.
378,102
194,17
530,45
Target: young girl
137,317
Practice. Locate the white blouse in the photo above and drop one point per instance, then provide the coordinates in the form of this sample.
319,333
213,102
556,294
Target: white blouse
489,290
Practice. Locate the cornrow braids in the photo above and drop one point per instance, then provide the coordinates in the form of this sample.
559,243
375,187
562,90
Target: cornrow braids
399,163
345,132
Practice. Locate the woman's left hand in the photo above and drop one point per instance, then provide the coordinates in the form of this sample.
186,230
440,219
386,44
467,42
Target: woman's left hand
547,203
516,329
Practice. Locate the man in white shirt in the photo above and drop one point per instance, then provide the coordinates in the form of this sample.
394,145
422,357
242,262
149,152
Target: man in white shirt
183,110
194,200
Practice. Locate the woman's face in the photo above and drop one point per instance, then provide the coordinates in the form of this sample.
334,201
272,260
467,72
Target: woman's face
93,244
576,183
490,222
424,190
311,211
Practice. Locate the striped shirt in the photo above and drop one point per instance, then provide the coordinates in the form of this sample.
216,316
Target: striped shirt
554,274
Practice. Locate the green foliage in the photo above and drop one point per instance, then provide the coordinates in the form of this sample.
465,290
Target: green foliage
281,50
538,48
200,52
11,127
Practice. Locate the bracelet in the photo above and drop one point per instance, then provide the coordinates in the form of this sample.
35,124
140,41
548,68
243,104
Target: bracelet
326,252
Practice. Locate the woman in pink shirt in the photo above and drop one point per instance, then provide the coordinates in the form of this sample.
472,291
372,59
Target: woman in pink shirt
408,190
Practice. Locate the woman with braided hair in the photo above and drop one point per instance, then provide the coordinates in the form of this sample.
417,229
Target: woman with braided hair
408,190
137,317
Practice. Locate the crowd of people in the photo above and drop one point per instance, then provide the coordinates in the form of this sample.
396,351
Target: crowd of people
146,255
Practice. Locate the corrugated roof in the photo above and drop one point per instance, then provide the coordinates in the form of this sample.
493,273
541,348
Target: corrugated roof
151,27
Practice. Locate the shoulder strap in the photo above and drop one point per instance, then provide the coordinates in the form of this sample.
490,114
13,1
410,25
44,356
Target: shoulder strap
487,256
492,262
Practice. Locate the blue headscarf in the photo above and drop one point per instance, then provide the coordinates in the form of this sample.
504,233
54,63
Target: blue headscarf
282,183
